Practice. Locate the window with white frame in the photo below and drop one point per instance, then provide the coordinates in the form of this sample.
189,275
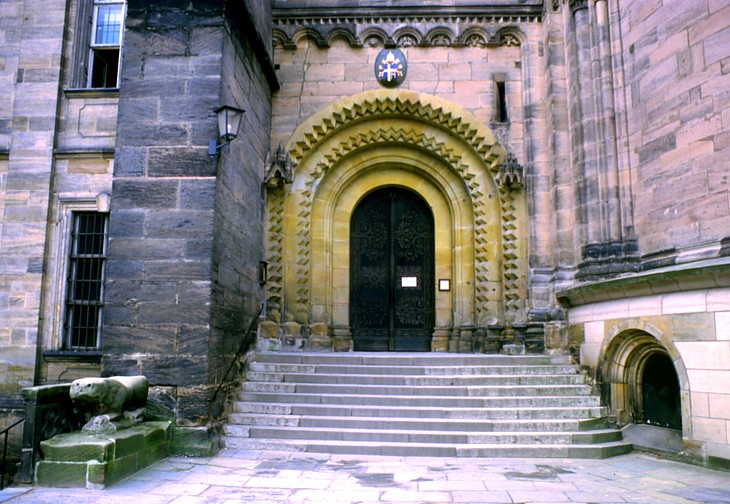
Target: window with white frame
105,44
84,302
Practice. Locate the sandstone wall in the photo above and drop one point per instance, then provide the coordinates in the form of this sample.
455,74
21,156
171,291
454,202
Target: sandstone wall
677,119
30,45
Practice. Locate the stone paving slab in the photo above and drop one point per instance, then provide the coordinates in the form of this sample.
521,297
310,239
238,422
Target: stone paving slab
240,476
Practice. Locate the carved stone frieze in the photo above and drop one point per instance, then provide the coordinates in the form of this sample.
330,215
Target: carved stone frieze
454,28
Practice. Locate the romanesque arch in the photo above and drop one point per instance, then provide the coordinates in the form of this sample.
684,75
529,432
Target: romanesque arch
627,349
395,138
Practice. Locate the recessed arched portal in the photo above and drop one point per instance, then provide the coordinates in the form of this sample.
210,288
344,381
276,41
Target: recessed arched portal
442,154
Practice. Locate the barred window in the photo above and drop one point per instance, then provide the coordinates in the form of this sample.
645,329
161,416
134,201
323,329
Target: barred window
105,44
85,290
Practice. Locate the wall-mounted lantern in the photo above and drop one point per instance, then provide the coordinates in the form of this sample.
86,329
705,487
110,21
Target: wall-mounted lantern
229,122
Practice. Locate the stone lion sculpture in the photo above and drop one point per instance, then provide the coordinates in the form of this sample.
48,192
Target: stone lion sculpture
110,403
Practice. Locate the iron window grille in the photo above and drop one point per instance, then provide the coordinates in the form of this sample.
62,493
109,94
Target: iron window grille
85,289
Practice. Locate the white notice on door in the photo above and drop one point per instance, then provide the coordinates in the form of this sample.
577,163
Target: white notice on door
409,281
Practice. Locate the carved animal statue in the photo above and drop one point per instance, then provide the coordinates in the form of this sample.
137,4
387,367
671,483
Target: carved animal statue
110,403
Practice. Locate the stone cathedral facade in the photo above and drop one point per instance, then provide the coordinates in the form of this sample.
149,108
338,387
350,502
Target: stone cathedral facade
432,176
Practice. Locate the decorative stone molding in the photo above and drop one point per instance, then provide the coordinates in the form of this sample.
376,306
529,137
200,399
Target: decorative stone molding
510,173
436,141
510,250
452,27
576,5
385,102
278,172
275,272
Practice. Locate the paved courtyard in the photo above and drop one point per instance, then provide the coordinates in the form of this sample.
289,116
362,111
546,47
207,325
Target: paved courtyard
277,477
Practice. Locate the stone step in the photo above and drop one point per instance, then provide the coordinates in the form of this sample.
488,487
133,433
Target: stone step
424,411
414,381
421,400
385,370
570,384
442,424
408,359
585,451
420,404
421,436
387,390
346,410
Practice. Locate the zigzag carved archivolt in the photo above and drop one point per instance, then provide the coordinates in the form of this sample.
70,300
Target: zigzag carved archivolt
422,141
418,106
310,136
510,251
274,291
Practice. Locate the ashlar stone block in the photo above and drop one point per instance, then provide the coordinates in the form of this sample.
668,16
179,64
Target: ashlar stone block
77,447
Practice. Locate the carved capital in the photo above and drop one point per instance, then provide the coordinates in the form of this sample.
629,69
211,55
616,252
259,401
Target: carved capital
510,173
576,5
278,172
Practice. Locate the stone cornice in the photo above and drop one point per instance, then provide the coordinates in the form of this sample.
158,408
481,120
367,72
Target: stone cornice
407,14
485,26
708,274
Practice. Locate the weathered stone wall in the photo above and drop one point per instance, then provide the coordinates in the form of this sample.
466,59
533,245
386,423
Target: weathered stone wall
677,121
11,13
185,227
313,77
83,165
30,58
159,273
238,238
559,191
670,75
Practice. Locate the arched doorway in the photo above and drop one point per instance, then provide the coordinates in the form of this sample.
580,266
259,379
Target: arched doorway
422,144
392,272
643,378
661,393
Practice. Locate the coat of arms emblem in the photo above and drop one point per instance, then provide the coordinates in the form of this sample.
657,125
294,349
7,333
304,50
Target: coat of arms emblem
390,67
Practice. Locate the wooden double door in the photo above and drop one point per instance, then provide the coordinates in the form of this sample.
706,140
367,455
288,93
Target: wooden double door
392,284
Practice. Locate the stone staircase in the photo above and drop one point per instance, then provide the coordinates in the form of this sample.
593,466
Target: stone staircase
420,404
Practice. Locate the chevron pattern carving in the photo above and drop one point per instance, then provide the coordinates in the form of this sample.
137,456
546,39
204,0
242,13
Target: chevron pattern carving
417,106
466,132
510,251
275,281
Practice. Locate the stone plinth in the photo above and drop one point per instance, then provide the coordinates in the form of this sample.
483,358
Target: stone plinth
83,460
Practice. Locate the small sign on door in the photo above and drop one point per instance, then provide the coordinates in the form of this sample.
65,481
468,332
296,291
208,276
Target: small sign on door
409,282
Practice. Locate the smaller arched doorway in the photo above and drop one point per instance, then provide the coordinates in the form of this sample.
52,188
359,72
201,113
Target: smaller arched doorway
660,392
392,304
641,380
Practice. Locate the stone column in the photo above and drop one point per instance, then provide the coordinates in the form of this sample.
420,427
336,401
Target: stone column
585,135
606,249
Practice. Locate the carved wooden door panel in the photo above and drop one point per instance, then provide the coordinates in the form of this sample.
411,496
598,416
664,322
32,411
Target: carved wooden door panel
392,272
